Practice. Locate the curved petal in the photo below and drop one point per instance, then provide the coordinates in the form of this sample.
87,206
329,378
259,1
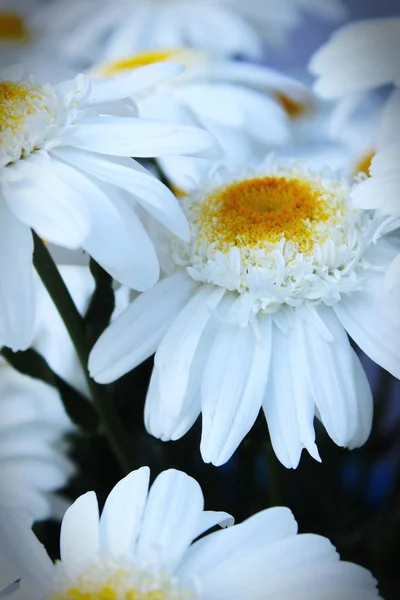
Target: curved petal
122,514
330,372
126,174
171,518
17,295
143,138
136,333
79,538
363,316
47,203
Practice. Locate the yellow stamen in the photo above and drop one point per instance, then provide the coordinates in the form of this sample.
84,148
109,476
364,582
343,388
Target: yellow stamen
107,593
263,210
364,163
295,109
16,102
12,27
179,192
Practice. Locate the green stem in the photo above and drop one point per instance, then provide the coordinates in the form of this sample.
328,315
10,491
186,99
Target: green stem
58,291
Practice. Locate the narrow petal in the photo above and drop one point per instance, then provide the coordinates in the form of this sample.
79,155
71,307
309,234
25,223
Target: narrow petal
259,531
126,174
363,316
25,554
136,333
365,405
17,296
79,538
171,518
330,372
44,201
122,515
176,351
113,88
288,404
143,138
392,278
253,394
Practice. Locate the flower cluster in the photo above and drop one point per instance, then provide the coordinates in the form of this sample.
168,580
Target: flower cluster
219,226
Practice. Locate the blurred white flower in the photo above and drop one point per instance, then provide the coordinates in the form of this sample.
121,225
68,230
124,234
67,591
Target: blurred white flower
278,260
248,108
23,49
33,465
141,547
94,29
358,58
65,173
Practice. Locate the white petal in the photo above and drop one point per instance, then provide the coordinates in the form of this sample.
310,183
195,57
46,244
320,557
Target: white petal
330,372
143,138
261,530
211,518
122,515
288,404
17,300
362,315
136,333
175,354
128,84
24,552
45,202
365,405
371,44
154,196
79,538
141,270
392,278
171,518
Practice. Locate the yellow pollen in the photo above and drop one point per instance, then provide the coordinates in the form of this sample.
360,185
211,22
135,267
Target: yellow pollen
135,61
263,210
16,101
179,192
295,109
364,163
12,27
107,593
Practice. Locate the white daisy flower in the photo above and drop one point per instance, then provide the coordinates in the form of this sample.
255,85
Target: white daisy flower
20,44
248,108
360,57
142,547
113,28
65,173
278,260
33,465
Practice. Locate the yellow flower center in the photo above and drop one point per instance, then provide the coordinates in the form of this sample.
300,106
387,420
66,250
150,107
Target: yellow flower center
107,593
364,163
262,210
12,27
141,59
17,100
295,109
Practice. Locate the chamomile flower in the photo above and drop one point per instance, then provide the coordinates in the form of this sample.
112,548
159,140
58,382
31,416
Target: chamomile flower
142,548
33,465
65,172
360,57
255,314
248,108
114,28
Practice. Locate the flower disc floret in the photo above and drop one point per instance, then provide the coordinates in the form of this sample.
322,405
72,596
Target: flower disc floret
118,579
285,235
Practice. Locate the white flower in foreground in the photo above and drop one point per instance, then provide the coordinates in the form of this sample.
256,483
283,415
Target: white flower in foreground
141,548
248,108
33,465
360,57
113,28
65,173
255,313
